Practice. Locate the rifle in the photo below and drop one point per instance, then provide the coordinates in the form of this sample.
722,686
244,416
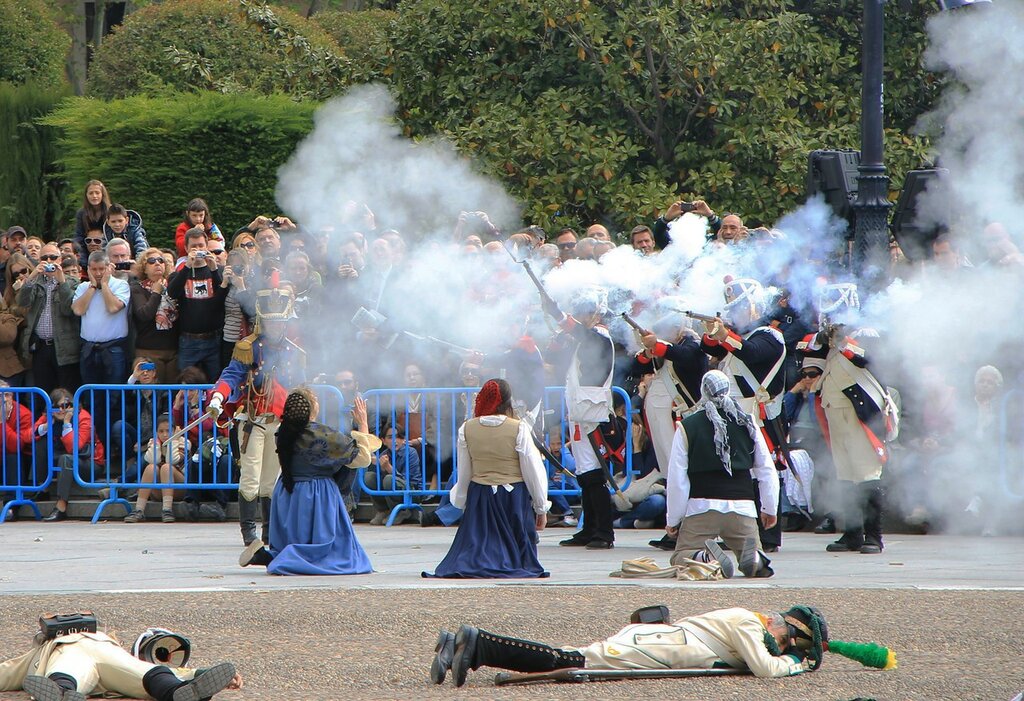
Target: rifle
701,317
632,322
547,303
444,344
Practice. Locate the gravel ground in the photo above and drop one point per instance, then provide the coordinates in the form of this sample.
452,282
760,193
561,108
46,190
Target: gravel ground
377,644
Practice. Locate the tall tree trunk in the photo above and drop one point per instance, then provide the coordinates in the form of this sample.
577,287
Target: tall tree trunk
99,22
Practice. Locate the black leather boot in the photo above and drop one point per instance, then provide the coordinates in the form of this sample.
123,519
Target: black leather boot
247,511
872,494
475,648
265,509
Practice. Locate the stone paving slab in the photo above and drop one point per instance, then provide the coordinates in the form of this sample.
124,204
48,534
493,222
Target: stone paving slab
111,556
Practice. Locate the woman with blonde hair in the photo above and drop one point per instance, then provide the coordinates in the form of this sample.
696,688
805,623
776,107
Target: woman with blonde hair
155,314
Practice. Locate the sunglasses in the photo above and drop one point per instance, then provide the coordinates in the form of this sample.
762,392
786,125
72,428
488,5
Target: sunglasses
810,375
50,256
154,261
147,366
217,252
94,240
248,244
567,245
64,405
19,273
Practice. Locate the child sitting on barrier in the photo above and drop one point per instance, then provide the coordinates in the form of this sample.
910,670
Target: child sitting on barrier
156,456
84,442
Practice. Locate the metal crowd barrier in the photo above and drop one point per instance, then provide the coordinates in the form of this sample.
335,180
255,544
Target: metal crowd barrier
26,457
1011,458
435,414
125,419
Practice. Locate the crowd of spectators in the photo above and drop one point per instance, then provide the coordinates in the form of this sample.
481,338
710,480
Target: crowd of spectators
104,306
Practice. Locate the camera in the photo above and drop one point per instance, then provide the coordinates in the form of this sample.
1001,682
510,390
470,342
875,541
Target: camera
125,265
687,206
202,254
50,267
237,269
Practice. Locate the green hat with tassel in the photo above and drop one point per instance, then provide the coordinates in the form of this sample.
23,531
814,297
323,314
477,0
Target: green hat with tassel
809,633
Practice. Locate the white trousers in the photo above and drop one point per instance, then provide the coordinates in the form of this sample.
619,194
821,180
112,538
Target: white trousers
258,463
660,421
100,666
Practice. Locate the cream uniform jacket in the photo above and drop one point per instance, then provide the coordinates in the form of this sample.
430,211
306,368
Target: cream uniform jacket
734,637
122,672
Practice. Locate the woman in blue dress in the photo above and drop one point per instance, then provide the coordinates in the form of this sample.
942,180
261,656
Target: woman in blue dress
310,530
503,489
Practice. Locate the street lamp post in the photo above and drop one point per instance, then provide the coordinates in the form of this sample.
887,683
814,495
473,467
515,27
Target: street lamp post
871,235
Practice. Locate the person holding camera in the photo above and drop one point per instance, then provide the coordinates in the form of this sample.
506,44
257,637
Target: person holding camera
70,660
51,337
197,288
678,209
102,304
155,315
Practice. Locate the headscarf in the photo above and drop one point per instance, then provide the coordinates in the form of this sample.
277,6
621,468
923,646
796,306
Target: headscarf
489,399
718,405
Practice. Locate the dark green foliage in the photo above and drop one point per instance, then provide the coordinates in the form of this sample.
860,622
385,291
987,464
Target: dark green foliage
156,153
31,193
598,111
33,47
224,45
365,38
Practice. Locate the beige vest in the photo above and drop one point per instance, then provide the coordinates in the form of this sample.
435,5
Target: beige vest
493,450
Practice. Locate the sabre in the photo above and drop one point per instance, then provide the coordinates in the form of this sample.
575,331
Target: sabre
182,431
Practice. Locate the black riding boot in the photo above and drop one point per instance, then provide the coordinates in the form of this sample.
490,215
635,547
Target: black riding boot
853,520
872,496
265,508
247,512
521,655
160,683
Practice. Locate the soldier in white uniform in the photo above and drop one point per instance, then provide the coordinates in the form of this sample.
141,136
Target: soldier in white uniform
74,666
767,644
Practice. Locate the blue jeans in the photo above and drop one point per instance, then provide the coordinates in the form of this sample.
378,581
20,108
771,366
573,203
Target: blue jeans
653,508
104,363
204,353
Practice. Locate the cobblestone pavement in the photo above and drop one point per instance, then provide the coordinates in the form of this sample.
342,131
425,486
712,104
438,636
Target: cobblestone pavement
338,638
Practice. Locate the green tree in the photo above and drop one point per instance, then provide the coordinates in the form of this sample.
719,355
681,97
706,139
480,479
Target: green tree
34,47
365,38
594,109
223,45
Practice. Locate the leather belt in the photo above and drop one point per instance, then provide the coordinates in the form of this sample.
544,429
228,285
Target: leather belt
199,336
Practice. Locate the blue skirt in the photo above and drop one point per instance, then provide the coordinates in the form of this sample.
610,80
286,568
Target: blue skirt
310,532
496,538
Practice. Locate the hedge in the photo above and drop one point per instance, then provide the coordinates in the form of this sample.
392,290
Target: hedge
31,191
156,153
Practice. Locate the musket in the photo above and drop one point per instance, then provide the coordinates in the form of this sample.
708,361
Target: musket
549,455
444,344
700,317
632,322
546,300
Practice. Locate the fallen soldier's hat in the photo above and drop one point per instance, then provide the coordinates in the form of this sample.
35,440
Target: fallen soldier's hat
809,632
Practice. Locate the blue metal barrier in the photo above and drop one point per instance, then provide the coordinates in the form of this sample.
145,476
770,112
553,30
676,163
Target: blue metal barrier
27,457
436,414
127,417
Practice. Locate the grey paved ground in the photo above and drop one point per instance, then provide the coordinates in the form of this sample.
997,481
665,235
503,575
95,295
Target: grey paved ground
951,607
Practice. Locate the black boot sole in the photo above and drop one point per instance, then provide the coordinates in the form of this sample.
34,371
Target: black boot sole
444,656
465,650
